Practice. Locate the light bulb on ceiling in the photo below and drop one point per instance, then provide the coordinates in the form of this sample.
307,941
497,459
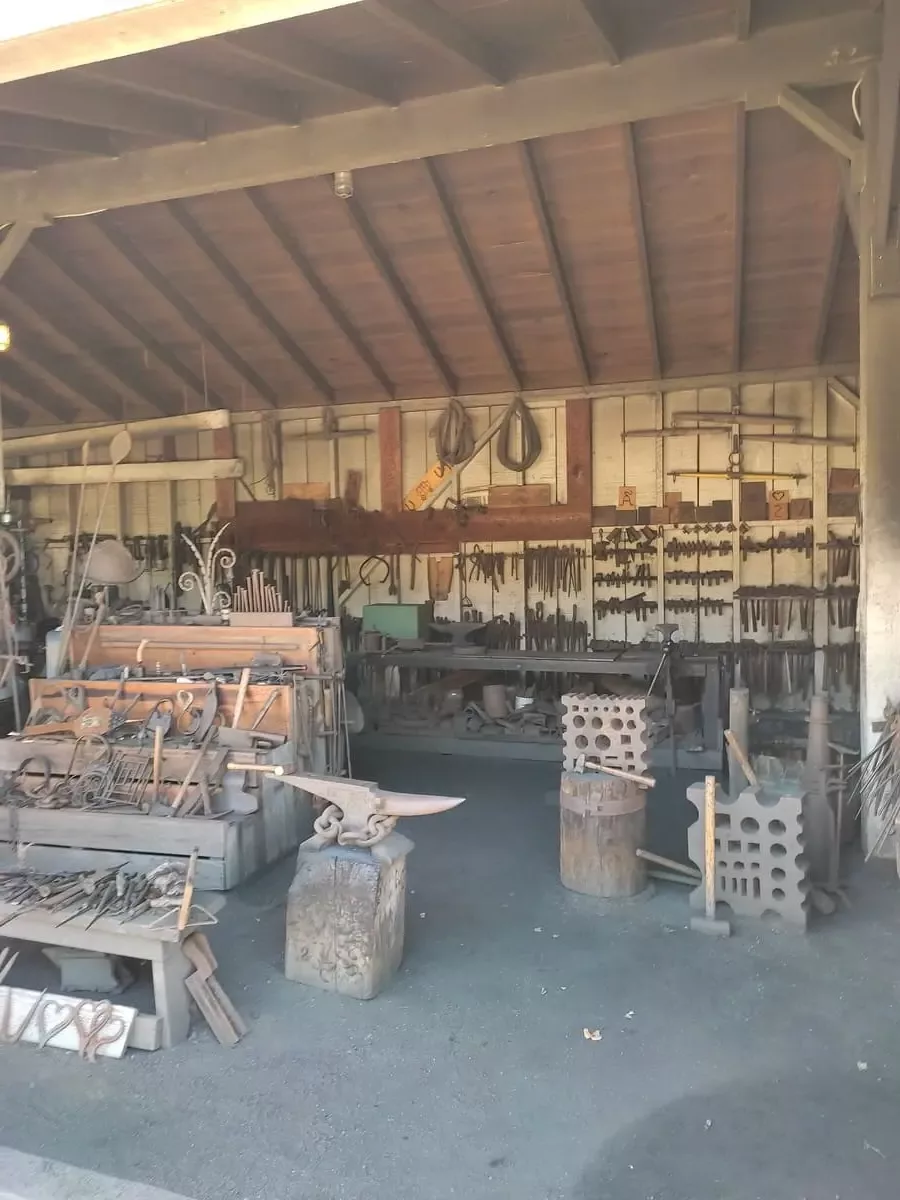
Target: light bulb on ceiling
5,337
343,184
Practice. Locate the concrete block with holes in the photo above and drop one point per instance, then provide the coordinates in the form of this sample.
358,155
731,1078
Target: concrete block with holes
615,730
760,866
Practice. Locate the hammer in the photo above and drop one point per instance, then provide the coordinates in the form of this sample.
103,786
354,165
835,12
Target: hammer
583,764
708,922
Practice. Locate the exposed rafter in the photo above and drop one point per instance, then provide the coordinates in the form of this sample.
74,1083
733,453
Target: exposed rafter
16,409
466,259
37,133
885,156
310,63
819,123
429,23
381,260
292,249
134,28
216,92
248,297
541,208
12,375
119,379
12,242
743,19
846,393
86,103
204,330
830,279
825,51
636,206
67,377
124,320
604,26
737,299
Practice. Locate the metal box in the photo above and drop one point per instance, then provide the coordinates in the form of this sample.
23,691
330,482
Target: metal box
399,621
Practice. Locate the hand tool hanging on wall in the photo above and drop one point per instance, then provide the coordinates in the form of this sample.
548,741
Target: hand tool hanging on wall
638,606
777,671
554,569
518,417
678,548
778,543
454,435
843,558
625,544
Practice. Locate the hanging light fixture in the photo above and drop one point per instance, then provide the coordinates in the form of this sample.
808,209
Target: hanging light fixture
343,184
5,337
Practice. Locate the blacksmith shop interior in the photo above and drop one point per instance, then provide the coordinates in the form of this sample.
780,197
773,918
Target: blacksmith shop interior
467,384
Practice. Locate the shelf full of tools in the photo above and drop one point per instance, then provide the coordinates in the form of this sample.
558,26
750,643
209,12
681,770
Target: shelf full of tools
175,741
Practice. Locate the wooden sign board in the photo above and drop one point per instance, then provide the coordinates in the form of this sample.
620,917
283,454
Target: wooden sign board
429,483
627,501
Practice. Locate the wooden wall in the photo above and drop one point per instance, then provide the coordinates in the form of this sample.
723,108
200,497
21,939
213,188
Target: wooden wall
645,463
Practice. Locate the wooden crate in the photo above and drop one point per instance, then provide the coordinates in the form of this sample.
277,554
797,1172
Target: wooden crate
231,848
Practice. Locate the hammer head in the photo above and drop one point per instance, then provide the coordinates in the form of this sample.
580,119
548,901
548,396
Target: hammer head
579,765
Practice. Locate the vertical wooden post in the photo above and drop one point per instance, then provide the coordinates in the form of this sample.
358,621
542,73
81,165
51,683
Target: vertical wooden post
579,489
390,451
226,496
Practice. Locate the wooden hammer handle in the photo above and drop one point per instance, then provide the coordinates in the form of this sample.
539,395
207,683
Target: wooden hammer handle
741,756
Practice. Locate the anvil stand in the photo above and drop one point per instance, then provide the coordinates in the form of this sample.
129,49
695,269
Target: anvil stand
346,906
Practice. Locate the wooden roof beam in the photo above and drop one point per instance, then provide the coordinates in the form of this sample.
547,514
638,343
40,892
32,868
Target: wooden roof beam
66,379
289,244
248,297
186,311
816,52
737,296
466,259
58,137
605,32
311,63
88,104
381,260
15,409
205,89
118,379
636,205
124,320
13,376
743,19
135,27
819,123
541,208
13,242
426,21
885,147
830,279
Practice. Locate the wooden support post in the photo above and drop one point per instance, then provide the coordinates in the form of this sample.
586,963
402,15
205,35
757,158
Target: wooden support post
578,456
391,459
226,498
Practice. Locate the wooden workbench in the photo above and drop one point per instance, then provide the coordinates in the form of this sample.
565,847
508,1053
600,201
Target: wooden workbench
160,946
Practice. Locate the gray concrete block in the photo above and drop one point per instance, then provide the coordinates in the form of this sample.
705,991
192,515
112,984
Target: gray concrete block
345,917
760,865
615,730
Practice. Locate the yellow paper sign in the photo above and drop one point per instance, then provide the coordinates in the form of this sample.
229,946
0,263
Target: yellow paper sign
424,488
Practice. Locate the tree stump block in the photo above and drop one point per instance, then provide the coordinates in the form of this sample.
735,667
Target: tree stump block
602,822
345,917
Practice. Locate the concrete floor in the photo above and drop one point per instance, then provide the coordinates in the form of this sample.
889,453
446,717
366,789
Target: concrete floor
760,1068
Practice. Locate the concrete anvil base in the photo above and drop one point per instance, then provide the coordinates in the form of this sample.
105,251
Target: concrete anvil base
345,917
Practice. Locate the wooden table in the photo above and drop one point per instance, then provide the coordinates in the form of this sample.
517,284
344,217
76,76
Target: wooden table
161,946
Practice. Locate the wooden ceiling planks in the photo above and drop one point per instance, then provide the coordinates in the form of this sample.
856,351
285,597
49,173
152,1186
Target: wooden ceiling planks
645,26
324,229
687,169
791,184
233,223
403,206
504,230
588,187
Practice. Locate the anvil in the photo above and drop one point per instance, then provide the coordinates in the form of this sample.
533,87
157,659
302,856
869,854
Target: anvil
359,812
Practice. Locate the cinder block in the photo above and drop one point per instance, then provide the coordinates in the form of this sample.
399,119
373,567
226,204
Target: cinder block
760,866
615,730
345,917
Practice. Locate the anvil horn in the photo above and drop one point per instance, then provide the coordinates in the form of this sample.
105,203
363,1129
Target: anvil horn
402,804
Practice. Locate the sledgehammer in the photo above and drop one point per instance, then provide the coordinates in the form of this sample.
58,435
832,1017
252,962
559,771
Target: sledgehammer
708,922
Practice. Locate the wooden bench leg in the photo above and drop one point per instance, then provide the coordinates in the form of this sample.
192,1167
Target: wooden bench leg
173,1002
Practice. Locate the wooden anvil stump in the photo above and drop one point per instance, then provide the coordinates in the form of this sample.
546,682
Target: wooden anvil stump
345,916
